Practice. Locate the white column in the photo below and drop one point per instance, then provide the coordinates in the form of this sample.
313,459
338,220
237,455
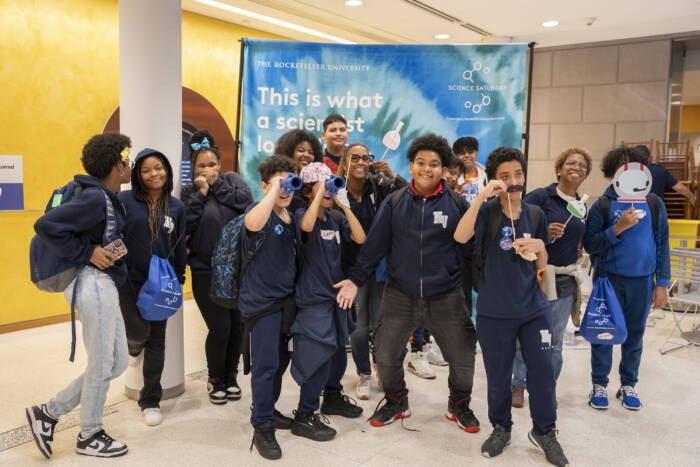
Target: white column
150,101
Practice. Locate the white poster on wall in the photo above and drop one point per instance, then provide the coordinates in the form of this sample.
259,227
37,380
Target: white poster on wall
11,183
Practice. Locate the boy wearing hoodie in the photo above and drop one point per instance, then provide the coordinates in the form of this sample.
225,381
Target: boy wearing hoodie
415,228
155,225
75,231
474,178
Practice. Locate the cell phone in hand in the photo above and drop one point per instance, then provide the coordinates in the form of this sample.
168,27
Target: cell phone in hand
116,249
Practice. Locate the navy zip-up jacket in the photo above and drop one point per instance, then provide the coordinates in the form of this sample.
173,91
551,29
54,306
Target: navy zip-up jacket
74,229
137,235
227,198
418,237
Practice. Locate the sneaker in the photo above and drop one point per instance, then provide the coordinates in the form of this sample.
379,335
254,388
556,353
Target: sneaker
393,408
418,365
42,426
337,403
282,422
233,392
363,390
217,392
550,446
629,398
434,355
598,398
311,425
497,441
518,396
100,445
265,442
152,416
461,413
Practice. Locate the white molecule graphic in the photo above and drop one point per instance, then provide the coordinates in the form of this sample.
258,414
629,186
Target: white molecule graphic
476,108
477,66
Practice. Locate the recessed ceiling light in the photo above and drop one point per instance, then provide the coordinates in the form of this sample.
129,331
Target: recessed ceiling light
353,3
442,36
550,24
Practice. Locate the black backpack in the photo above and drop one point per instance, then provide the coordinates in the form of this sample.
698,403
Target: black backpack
494,209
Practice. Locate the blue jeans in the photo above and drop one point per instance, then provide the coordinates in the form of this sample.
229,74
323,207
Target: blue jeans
97,302
561,310
369,297
634,295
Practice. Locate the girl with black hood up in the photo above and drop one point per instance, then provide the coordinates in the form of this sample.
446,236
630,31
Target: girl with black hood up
155,225
213,199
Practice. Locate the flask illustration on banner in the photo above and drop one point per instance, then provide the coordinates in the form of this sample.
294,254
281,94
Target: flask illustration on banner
392,139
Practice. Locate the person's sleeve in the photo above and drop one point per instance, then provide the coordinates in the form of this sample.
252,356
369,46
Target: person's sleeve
542,229
232,192
376,246
181,247
596,239
535,197
345,231
304,242
669,180
63,228
194,202
663,254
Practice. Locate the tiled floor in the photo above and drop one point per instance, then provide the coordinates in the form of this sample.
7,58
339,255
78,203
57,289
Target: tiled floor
34,365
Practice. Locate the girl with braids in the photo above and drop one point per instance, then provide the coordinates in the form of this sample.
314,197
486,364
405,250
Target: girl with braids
212,200
155,225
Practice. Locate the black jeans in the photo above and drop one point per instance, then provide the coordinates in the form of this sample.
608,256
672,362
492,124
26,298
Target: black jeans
223,344
447,318
146,336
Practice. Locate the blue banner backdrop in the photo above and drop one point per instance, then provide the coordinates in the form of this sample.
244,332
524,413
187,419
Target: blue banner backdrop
451,90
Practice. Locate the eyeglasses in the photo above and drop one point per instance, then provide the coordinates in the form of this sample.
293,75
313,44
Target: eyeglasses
129,164
364,158
580,165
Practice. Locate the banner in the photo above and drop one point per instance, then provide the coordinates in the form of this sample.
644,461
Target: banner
382,91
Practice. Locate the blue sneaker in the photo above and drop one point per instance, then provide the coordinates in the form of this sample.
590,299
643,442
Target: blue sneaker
598,398
629,398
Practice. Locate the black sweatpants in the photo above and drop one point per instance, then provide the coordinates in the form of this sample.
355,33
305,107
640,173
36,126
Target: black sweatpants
497,341
223,344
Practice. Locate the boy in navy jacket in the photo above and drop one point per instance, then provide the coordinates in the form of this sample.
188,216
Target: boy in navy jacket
638,265
424,285
511,304
75,231
266,298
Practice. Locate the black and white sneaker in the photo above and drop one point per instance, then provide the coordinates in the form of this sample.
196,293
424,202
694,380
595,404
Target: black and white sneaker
217,392
100,445
42,426
233,391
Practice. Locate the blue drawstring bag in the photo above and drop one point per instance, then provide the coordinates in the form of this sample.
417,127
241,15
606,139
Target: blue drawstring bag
161,294
603,321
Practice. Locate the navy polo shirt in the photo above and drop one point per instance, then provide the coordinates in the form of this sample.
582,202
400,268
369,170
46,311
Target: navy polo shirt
320,259
661,180
365,211
565,250
271,273
509,288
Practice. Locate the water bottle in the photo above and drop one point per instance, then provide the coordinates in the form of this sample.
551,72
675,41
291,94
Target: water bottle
290,184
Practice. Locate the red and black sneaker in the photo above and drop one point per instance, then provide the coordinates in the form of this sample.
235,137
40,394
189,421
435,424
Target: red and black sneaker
394,408
459,411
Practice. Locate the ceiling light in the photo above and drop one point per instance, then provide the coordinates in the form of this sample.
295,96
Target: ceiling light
550,24
442,36
278,22
353,3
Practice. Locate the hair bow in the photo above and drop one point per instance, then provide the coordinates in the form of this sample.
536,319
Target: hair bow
198,146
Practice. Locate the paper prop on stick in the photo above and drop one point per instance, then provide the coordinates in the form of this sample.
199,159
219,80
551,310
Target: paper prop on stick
514,189
392,139
632,182
577,208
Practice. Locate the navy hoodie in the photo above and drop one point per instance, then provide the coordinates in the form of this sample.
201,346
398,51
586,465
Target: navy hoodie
226,199
418,237
137,234
74,229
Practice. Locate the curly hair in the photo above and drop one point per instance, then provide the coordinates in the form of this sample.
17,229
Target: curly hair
102,152
430,142
644,151
456,162
275,164
503,154
333,118
465,144
288,141
344,160
618,156
561,159
197,137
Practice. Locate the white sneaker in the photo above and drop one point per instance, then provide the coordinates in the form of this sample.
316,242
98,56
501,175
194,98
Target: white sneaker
432,351
418,365
152,416
362,390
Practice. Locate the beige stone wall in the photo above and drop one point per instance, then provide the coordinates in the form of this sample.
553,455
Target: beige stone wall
595,97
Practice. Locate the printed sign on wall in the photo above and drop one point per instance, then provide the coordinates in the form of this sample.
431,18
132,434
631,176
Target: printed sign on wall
11,184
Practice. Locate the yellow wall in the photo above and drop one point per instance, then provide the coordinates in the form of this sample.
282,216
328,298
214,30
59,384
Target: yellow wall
59,76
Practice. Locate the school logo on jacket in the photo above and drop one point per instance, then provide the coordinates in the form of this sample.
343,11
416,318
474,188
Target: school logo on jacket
440,218
278,229
168,223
